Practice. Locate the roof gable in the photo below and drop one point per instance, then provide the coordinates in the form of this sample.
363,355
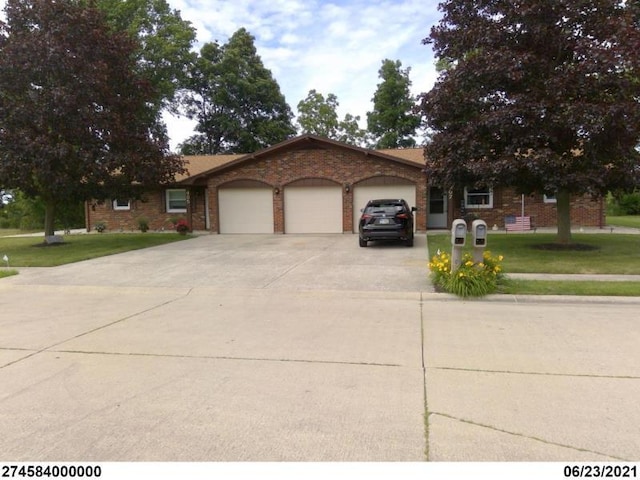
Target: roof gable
199,166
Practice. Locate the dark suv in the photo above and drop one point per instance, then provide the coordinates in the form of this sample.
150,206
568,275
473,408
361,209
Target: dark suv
388,219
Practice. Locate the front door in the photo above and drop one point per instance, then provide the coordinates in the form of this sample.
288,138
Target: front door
437,215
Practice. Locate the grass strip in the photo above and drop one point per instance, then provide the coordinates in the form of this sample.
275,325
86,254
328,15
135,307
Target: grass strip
564,287
30,252
4,272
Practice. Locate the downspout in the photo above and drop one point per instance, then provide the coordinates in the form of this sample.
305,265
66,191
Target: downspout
189,209
87,216
601,220
207,220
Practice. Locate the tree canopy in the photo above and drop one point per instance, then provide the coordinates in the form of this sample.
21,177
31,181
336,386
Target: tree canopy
539,95
74,112
235,100
318,115
393,121
164,43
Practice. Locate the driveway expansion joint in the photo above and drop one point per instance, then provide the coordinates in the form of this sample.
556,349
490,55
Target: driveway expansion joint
544,374
51,347
529,437
226,357
288,270
424,380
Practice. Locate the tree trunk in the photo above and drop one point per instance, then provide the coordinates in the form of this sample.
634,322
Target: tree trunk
563,206
49,218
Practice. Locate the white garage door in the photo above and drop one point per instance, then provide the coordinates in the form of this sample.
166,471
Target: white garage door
362,194
245,210
313,209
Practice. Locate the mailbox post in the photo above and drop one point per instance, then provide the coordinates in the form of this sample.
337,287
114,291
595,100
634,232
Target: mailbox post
479,233
458,240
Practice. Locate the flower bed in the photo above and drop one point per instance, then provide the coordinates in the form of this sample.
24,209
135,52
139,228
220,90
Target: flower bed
471,279
182,227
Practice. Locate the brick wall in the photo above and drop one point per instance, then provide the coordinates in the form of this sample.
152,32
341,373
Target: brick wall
152,207
585,212
337,166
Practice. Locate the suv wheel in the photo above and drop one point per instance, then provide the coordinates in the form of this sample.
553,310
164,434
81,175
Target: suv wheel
363,243
409,242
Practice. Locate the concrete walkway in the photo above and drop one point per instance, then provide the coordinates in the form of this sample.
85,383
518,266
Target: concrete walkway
303,347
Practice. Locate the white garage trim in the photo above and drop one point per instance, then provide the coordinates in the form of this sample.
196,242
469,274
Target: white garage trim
363,193
309,209
245,210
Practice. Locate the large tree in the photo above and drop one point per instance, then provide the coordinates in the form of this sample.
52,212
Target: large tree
164,42
541,95
393,121
74,115
318,115
235,100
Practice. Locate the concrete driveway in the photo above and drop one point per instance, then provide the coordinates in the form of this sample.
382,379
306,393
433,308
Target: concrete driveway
274,262
305,348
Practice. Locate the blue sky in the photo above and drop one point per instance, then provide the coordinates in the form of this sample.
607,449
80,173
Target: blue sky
334,47
331,46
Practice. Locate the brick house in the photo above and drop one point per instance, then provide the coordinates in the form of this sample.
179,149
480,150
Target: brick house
310,184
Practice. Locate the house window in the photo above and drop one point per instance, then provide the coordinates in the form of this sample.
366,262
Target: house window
119,204
176,200
550,198
478,197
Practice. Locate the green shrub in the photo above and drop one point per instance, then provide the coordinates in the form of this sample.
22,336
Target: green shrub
143,224
471,279
613,209
630,203
623,203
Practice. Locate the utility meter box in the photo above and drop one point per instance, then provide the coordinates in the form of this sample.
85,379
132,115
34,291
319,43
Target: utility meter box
458,233
479,233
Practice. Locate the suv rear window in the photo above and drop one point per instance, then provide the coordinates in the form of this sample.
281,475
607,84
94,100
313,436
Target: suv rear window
387,208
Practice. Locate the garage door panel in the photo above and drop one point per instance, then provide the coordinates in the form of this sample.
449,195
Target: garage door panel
362,194
245,210
313,209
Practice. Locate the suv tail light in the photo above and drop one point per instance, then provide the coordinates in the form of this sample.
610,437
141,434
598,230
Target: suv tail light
402,215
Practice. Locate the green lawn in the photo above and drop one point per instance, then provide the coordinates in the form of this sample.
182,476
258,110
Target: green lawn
556,287
632,221
616,254
4,232
29,252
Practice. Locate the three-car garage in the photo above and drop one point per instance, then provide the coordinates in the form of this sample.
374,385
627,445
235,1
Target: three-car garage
304,185
310,205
